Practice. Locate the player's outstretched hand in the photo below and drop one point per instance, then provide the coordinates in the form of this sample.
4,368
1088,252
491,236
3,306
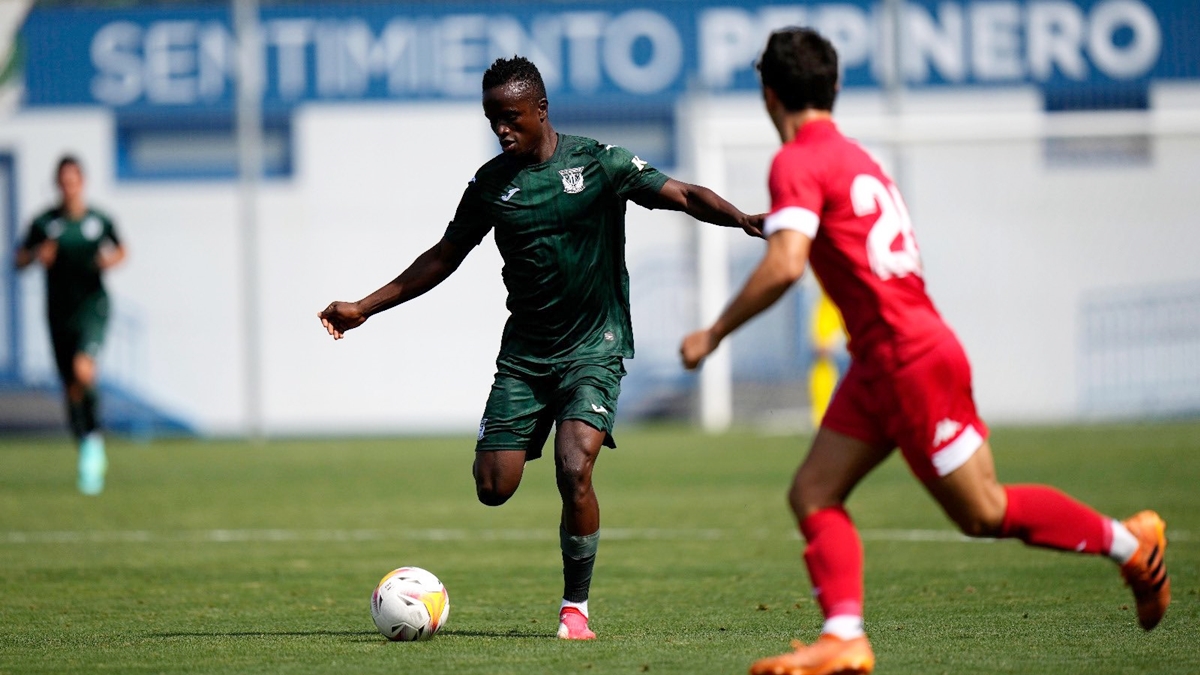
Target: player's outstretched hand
696,347
340,317
754,225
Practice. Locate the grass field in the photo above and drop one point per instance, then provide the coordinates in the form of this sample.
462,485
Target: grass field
205,557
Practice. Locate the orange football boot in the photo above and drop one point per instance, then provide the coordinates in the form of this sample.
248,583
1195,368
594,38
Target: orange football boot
829,655
1146,571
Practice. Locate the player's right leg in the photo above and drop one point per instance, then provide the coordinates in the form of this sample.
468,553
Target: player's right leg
77,372
93,462
1043,516
833,555
513,430
497,475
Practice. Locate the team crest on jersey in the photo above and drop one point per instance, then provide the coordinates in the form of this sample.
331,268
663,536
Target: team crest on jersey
91,228
572,180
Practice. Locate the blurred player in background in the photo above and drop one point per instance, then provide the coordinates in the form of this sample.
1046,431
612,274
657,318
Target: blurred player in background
909,384
557,206
76,244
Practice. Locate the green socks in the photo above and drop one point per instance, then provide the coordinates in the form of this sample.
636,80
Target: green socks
579,557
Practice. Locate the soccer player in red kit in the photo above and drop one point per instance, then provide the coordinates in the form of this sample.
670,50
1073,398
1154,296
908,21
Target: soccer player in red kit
909,384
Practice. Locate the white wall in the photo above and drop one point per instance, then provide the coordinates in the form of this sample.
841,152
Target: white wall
1010,244
373,187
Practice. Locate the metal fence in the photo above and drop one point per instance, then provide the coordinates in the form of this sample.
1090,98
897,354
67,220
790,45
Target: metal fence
1140,351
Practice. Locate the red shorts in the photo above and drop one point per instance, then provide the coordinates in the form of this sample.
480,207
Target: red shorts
925,407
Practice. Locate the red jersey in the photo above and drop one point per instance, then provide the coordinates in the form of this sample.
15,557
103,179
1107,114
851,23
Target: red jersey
863,251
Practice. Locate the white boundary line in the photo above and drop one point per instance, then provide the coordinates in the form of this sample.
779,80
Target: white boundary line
222,536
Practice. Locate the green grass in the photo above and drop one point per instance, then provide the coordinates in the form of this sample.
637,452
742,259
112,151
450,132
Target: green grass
228,557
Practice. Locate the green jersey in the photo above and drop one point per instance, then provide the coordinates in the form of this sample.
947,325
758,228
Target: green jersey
560,228
74,278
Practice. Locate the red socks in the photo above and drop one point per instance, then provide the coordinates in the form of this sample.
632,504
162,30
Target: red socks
1036,514
834,556
1042,516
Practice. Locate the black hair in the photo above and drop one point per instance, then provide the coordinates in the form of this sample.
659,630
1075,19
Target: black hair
517,69
65,161
801,67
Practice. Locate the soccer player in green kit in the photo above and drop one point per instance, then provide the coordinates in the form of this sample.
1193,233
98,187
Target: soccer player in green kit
557,206
75,243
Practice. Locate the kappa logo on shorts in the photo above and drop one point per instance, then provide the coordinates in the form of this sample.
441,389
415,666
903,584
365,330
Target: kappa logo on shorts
572,180
482,426
946,431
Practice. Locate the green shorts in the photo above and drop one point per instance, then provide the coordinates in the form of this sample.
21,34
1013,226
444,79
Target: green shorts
527,399
79,332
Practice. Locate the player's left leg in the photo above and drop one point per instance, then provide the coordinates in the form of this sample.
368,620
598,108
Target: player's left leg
833,552
1043,516
576,447
91,319
587,405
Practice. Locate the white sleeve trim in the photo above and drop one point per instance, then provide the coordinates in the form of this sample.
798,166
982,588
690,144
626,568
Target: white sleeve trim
957,452
792,218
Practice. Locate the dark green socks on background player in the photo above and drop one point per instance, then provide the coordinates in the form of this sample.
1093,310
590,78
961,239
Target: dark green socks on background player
556,207
75,244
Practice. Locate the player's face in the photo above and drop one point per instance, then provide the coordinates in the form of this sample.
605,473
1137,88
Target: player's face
517,118
70,182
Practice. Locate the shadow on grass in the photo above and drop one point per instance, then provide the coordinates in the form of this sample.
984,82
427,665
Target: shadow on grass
361,635
498,634
267,633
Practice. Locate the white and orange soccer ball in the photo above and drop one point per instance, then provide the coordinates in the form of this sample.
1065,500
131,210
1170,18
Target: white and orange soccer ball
410,604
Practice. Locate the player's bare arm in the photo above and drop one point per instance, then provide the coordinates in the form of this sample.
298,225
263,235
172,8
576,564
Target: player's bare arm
702,204
781,266
44,253
429,269
109,257
22,258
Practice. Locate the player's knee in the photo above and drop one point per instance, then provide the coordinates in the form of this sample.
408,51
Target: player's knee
491,495
980,523
806,497
574,480
492,489
85,370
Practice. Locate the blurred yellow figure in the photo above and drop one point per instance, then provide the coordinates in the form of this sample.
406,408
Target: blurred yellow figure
828,334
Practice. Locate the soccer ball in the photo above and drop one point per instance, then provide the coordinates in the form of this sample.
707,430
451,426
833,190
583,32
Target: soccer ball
410,604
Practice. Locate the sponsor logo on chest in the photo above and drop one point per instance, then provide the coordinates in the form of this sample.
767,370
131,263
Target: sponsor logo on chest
572,180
